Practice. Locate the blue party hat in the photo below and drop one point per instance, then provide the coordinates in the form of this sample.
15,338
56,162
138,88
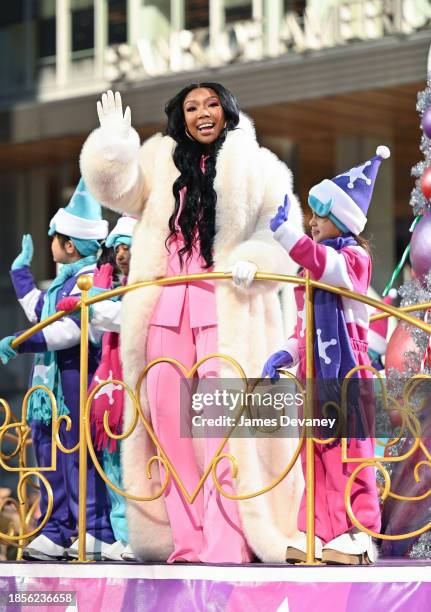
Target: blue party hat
81,218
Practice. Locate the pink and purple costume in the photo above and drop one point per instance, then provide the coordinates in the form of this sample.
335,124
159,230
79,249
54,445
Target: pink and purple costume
348,267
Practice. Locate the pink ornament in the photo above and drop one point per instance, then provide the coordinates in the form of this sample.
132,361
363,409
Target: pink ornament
426,183
420,246
400,343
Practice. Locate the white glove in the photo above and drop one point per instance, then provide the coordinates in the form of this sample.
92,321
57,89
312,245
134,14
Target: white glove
117,139
243,273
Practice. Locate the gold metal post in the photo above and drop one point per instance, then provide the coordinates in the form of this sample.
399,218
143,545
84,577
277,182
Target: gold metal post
22,508
85,283
309,442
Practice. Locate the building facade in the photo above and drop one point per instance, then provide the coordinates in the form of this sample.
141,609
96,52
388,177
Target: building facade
325,81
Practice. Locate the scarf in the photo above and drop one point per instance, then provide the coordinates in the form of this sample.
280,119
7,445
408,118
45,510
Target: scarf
45,370
333,354
109,398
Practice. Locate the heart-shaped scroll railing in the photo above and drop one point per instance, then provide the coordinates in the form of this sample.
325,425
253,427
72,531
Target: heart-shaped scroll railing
410,427
162,456
21,439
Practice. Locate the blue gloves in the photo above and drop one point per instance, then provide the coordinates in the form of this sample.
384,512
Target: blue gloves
277,360
26,255
6,351
282,214
95,291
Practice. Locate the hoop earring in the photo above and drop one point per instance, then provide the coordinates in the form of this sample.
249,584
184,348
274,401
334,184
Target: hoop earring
188,134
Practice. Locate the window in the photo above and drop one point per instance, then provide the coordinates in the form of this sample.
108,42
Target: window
44,16
46,37
237,10
197,14
82,24
117,21
296,6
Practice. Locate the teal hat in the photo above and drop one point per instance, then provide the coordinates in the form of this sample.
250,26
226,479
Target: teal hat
82,217
122,232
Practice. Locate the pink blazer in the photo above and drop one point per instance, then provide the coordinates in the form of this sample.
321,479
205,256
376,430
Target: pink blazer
202,304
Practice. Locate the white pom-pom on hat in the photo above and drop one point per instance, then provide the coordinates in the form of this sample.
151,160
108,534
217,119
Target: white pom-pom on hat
383,151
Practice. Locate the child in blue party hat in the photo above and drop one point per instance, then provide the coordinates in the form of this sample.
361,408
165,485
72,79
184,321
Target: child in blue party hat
76,233
105,316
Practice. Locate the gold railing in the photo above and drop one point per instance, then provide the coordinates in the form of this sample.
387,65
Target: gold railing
18,432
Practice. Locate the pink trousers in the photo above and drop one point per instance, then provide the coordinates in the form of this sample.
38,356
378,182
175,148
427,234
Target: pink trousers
209,530
331,477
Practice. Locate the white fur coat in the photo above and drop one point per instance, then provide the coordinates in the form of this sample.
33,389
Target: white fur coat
250,183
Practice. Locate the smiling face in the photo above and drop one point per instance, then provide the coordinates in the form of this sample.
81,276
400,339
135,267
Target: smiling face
322,228
203,115
122,258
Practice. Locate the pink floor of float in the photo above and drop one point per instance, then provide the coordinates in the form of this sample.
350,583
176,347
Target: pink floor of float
390,585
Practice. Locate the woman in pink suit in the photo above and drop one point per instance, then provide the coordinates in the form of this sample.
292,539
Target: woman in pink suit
205,193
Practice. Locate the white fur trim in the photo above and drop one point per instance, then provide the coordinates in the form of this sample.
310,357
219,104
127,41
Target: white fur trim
246,125
77,227
288,235
124,227
343,207
376,342
383,151
288,305
335,272
260,193
123,187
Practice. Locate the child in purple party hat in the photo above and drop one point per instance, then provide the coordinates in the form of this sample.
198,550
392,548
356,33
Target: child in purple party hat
337,255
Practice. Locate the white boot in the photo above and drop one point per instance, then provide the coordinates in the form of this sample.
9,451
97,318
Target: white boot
128,554
114,551
366,545
296,551
351,548
94,548
43,549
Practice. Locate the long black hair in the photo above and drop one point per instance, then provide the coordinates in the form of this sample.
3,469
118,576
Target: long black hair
200,201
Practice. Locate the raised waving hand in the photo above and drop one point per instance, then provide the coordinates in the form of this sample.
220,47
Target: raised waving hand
118,140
